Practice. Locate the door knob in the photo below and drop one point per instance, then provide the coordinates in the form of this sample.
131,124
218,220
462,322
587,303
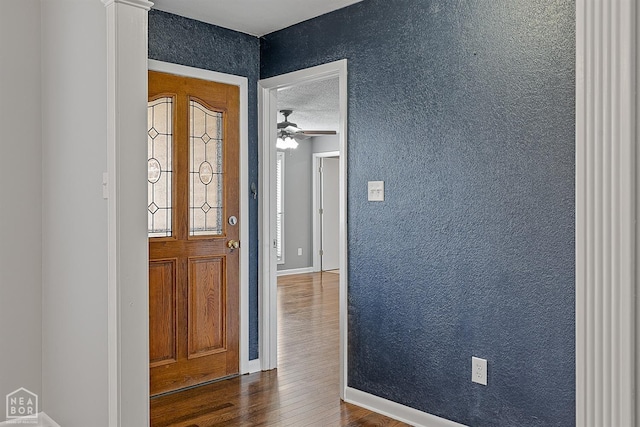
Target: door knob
233,244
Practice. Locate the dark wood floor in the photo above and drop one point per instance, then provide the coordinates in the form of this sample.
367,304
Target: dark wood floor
303,391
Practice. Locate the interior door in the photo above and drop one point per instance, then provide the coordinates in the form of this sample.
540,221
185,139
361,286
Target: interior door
330,225
193,227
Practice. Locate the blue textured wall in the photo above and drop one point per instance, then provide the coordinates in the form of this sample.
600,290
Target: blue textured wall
188,42
466,110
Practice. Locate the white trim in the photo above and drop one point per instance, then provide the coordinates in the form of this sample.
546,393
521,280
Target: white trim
315,207
395,410
292,271
344,253
127,264
267,98
47,421
142,4
199,73
637,235
44,420
267,295
313,74
242,83
254,365
606,212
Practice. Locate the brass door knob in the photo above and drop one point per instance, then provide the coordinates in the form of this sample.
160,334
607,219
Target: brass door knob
233,244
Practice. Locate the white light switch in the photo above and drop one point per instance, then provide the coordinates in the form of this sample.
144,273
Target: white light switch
105,185
376,191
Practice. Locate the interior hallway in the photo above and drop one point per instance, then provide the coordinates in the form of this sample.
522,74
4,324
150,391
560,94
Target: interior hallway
303,391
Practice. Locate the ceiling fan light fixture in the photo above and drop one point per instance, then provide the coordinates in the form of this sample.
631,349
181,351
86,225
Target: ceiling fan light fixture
284,143
289,133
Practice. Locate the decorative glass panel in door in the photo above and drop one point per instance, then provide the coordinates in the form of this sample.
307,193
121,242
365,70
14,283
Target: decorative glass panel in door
205,171
159,166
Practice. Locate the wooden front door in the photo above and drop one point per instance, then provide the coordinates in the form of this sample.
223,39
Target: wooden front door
193,212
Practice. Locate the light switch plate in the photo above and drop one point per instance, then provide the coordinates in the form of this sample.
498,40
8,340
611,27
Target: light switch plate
376,191
105,185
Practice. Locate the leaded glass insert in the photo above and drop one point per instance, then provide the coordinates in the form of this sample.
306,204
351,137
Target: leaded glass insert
159,166
205,171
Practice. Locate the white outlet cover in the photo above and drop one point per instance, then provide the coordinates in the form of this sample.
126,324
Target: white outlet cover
479,370
376,191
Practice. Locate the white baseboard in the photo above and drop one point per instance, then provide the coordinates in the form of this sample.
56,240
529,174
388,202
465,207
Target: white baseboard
295,271
44,420
47,421
254,366
395,410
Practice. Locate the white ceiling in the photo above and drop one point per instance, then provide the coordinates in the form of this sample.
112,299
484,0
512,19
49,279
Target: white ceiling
255,17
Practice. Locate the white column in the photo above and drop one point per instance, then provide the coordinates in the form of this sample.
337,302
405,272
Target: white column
128,255
605,212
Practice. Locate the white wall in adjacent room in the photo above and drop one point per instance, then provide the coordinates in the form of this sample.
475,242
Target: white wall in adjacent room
325,143
297,208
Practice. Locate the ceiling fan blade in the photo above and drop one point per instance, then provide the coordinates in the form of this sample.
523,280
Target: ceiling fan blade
292,129
317,132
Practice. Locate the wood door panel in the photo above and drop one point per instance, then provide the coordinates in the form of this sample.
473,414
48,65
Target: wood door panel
197,372
207,311
187,248
162,312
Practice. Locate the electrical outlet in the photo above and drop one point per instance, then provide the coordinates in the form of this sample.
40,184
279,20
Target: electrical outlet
479,370
299,251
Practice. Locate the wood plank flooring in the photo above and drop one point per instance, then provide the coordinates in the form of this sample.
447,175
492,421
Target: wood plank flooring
303,391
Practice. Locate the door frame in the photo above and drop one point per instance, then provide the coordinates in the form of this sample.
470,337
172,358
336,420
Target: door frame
315,206
242,82
267,280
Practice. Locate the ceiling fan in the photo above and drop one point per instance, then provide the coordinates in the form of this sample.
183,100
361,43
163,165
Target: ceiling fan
287,129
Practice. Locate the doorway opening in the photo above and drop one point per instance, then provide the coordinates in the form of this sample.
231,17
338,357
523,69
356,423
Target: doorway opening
326,211
269,117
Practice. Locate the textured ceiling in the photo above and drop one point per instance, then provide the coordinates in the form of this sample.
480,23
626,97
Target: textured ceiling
315,105
256,17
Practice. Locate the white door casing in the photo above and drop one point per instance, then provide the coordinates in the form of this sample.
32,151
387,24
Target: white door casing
267,99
